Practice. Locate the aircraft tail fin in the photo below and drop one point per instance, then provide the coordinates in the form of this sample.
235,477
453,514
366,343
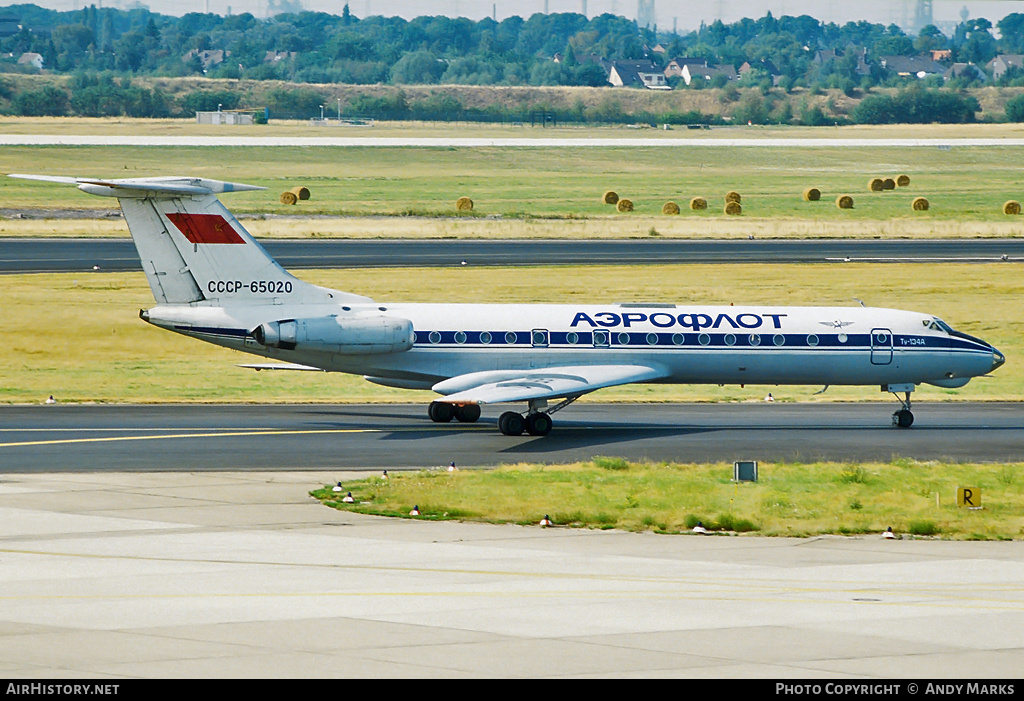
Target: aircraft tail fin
193,249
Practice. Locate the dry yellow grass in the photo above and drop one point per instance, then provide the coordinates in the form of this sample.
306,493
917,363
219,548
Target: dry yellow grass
604,227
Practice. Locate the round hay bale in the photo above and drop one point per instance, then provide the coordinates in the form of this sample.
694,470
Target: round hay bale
902,180
624,205
920,204
301,192
733,208
732,196
698,203
670,208
463,204
289,197
876,184
610,197
812,194
888,184
1011,207
844,202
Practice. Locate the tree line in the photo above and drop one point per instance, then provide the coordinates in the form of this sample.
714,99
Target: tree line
104,53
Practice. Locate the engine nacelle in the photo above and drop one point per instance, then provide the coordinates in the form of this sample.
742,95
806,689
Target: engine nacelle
331,334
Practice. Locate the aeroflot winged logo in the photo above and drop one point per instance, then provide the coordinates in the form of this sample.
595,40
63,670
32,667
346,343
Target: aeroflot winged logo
204,228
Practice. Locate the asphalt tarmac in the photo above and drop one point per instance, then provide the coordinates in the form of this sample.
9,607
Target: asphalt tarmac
112,255
49,438
241,575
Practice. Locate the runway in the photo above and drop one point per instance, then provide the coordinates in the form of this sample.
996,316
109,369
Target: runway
663,140
375,437
113,255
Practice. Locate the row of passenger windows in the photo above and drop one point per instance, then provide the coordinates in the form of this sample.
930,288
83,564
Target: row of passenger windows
542,337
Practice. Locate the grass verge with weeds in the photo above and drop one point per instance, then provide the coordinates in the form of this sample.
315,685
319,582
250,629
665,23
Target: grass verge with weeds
917,499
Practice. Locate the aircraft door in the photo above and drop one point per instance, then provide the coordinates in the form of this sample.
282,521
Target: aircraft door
881,346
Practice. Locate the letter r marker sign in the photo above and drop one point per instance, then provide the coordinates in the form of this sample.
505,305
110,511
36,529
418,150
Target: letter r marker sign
969,497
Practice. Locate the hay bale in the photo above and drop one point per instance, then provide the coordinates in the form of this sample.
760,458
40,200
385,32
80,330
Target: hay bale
1011,207
670,208
463,204
733,208
624,205
732,196
698,203
876,185
902,180
812,194
888,184
844,202
610,197
920,204
301,192
289,197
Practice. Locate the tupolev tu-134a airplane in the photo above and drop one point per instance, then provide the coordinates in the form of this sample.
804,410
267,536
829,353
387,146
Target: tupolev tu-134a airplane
214,282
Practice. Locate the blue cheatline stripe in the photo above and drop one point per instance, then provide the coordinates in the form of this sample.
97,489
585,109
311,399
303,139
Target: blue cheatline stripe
641,339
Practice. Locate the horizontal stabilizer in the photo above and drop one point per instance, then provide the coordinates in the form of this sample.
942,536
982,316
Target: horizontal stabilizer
145,187
494,387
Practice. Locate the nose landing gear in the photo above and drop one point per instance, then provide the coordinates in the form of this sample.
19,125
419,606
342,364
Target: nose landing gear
902,418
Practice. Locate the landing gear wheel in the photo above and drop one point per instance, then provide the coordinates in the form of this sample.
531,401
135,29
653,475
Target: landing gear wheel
903,418
467,413
511,424
440,412
538,424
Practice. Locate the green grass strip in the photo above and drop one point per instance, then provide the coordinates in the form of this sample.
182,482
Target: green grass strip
916,499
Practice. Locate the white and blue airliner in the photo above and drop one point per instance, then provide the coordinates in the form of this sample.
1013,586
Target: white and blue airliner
214,282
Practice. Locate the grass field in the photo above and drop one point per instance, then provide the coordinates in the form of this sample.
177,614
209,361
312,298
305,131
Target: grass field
789,499
548,187
78,336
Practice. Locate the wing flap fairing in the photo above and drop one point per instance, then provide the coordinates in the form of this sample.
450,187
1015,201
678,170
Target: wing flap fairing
547,383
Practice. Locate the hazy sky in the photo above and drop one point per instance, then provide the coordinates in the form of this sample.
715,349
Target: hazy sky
683,14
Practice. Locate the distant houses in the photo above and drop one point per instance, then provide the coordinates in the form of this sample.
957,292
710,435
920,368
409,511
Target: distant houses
637,74
31,59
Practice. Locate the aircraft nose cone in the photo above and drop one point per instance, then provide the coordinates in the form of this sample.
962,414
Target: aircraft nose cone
997,359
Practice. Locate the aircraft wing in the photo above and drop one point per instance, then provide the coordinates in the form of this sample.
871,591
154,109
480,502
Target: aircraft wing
547,383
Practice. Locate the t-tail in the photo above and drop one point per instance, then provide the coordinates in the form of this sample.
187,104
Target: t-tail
193,250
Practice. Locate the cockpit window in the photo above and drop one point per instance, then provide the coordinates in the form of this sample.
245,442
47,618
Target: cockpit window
937,324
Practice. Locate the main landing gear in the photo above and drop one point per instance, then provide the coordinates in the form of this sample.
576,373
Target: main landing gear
902,418
443,412
536,422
